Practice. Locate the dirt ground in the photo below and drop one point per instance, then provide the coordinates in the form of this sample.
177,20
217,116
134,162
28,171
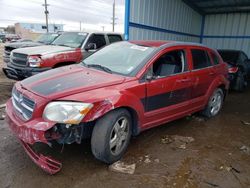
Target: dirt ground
5,83
219,156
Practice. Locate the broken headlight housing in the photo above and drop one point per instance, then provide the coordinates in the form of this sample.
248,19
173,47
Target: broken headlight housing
66,112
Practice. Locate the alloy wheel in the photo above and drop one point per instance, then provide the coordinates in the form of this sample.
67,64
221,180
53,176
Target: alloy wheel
119,135
216,103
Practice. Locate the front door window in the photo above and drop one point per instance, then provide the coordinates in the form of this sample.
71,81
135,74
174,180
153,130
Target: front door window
171,82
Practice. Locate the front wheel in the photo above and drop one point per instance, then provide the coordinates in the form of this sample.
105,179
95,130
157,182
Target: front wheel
111,136
214,104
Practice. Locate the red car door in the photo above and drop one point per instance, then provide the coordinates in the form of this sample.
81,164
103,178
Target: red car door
203,74
169,92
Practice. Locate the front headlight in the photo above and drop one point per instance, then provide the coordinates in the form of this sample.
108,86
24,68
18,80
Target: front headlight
34,61
66,112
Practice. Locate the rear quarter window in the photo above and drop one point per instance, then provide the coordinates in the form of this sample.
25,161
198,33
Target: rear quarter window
215,58
200,59
114,38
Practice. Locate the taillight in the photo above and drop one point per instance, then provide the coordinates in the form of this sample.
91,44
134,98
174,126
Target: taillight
233,69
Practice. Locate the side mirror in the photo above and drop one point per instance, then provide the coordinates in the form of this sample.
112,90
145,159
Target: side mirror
91,46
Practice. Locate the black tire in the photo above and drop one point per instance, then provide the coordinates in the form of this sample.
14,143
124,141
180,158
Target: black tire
208,111
240,82
104,132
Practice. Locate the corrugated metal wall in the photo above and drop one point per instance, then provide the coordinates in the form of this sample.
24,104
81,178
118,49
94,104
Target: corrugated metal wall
228,31
178,20
174,20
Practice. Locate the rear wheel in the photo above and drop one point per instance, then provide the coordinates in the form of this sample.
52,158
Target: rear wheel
214,104
111,136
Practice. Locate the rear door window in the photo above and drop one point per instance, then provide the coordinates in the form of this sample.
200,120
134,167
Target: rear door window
200,59
114,38
97,39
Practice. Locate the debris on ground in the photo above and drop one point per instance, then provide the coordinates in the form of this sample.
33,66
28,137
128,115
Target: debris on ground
2,116
122,167
208,146
245,122
2,112
157,160
179,141
211,184
196,118
235,170
166,140
182,146
229,169
171,138
147,160
2,106
245,149
185,139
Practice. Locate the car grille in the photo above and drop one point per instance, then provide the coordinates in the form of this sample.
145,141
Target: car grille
23,106
19,59
7,51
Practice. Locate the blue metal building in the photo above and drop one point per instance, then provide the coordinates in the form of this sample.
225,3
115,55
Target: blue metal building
216,23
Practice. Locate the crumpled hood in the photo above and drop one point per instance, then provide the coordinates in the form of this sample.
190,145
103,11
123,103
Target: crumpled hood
23,44
42,50
69,80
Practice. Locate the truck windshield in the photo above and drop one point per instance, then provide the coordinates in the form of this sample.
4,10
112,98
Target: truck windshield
71,39
47,38
121,57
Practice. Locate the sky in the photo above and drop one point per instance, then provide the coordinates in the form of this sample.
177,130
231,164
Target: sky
93,14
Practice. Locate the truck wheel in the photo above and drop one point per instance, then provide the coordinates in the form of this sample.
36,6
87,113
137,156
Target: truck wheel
241,82
111,136
214,104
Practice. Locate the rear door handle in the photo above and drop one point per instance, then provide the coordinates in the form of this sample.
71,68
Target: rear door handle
184,80
212,73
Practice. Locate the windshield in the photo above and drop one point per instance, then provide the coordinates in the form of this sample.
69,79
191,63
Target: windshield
71,39
229,56
47,38
121,57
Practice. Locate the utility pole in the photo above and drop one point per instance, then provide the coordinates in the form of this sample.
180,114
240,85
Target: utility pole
103,27
113,18
46,14
80,26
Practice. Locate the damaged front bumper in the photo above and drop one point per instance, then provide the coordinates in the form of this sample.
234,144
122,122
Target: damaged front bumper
19,73
48,164
30,133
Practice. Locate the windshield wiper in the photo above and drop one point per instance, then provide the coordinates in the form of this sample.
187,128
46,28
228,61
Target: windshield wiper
106,69
64,45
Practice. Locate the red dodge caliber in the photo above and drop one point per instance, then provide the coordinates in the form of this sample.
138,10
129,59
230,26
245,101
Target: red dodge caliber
119,91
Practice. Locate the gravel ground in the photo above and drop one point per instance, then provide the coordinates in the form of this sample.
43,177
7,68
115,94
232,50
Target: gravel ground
219,155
